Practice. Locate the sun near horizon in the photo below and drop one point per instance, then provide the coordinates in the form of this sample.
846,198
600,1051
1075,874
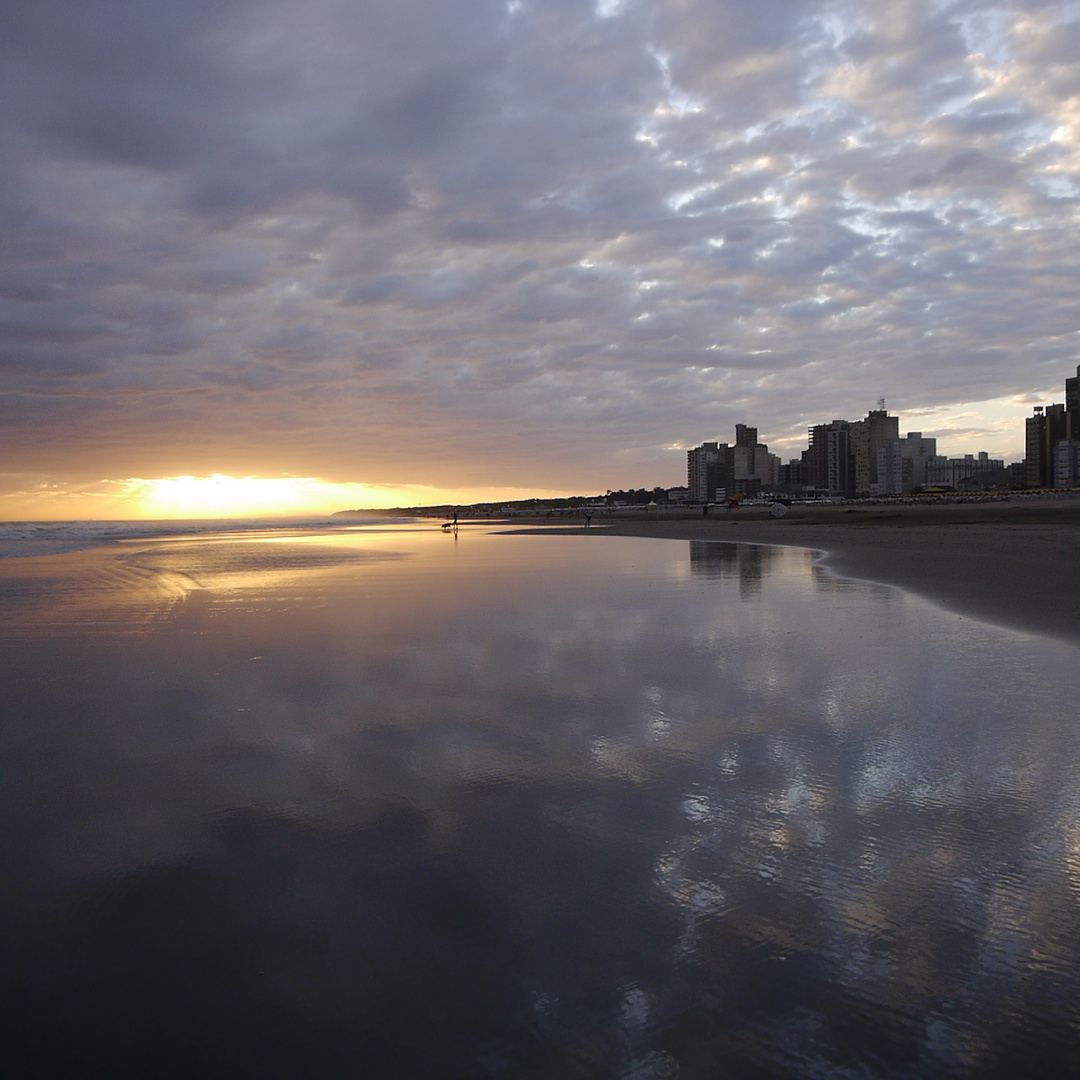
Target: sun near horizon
223,496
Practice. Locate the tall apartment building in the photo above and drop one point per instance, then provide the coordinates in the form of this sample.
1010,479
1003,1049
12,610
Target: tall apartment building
745,436
1067,463
815,458
753,469
702,471
868,436
1042,432
791,475
828,462
902,463
841,459
1034,437
1048,426
715,471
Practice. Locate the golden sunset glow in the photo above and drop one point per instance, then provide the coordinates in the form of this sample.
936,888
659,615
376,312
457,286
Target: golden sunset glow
222,496
228,496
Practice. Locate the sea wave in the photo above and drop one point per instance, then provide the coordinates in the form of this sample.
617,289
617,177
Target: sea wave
20,539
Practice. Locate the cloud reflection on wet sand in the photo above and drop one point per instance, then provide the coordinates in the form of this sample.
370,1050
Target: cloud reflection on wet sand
572,808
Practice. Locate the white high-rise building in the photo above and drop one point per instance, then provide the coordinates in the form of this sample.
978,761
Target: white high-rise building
702,470
902,463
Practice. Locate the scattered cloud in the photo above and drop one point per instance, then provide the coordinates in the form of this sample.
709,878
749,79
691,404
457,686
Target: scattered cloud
536,245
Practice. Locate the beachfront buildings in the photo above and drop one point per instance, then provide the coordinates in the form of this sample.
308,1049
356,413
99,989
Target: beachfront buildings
969,471
1044,430
868,457
1067,463
868,436
715,471
902,463
703,472
842,457
828,463
753,468
815,458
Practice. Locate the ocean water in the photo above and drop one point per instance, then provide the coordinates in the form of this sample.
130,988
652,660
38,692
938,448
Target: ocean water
22,539
385,801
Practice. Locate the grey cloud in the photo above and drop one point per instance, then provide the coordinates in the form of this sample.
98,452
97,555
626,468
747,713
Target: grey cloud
371,190
49,365
537,235
48,320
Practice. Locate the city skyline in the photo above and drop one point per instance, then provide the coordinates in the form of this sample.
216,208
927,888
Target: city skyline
869,457
272,257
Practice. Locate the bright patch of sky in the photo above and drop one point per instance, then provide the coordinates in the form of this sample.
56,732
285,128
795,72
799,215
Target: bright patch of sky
676,101
608,9
684,198
987,30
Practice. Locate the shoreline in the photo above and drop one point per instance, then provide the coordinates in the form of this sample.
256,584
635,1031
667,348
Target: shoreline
1013,564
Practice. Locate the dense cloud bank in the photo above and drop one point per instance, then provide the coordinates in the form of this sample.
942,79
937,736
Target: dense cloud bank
543,241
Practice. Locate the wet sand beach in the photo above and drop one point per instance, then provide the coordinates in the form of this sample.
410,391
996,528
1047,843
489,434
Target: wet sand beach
1015,564
388,801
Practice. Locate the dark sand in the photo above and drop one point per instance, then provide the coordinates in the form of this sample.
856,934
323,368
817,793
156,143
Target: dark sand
1016,564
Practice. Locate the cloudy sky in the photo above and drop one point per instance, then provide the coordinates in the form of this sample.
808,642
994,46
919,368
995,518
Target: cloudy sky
469,247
